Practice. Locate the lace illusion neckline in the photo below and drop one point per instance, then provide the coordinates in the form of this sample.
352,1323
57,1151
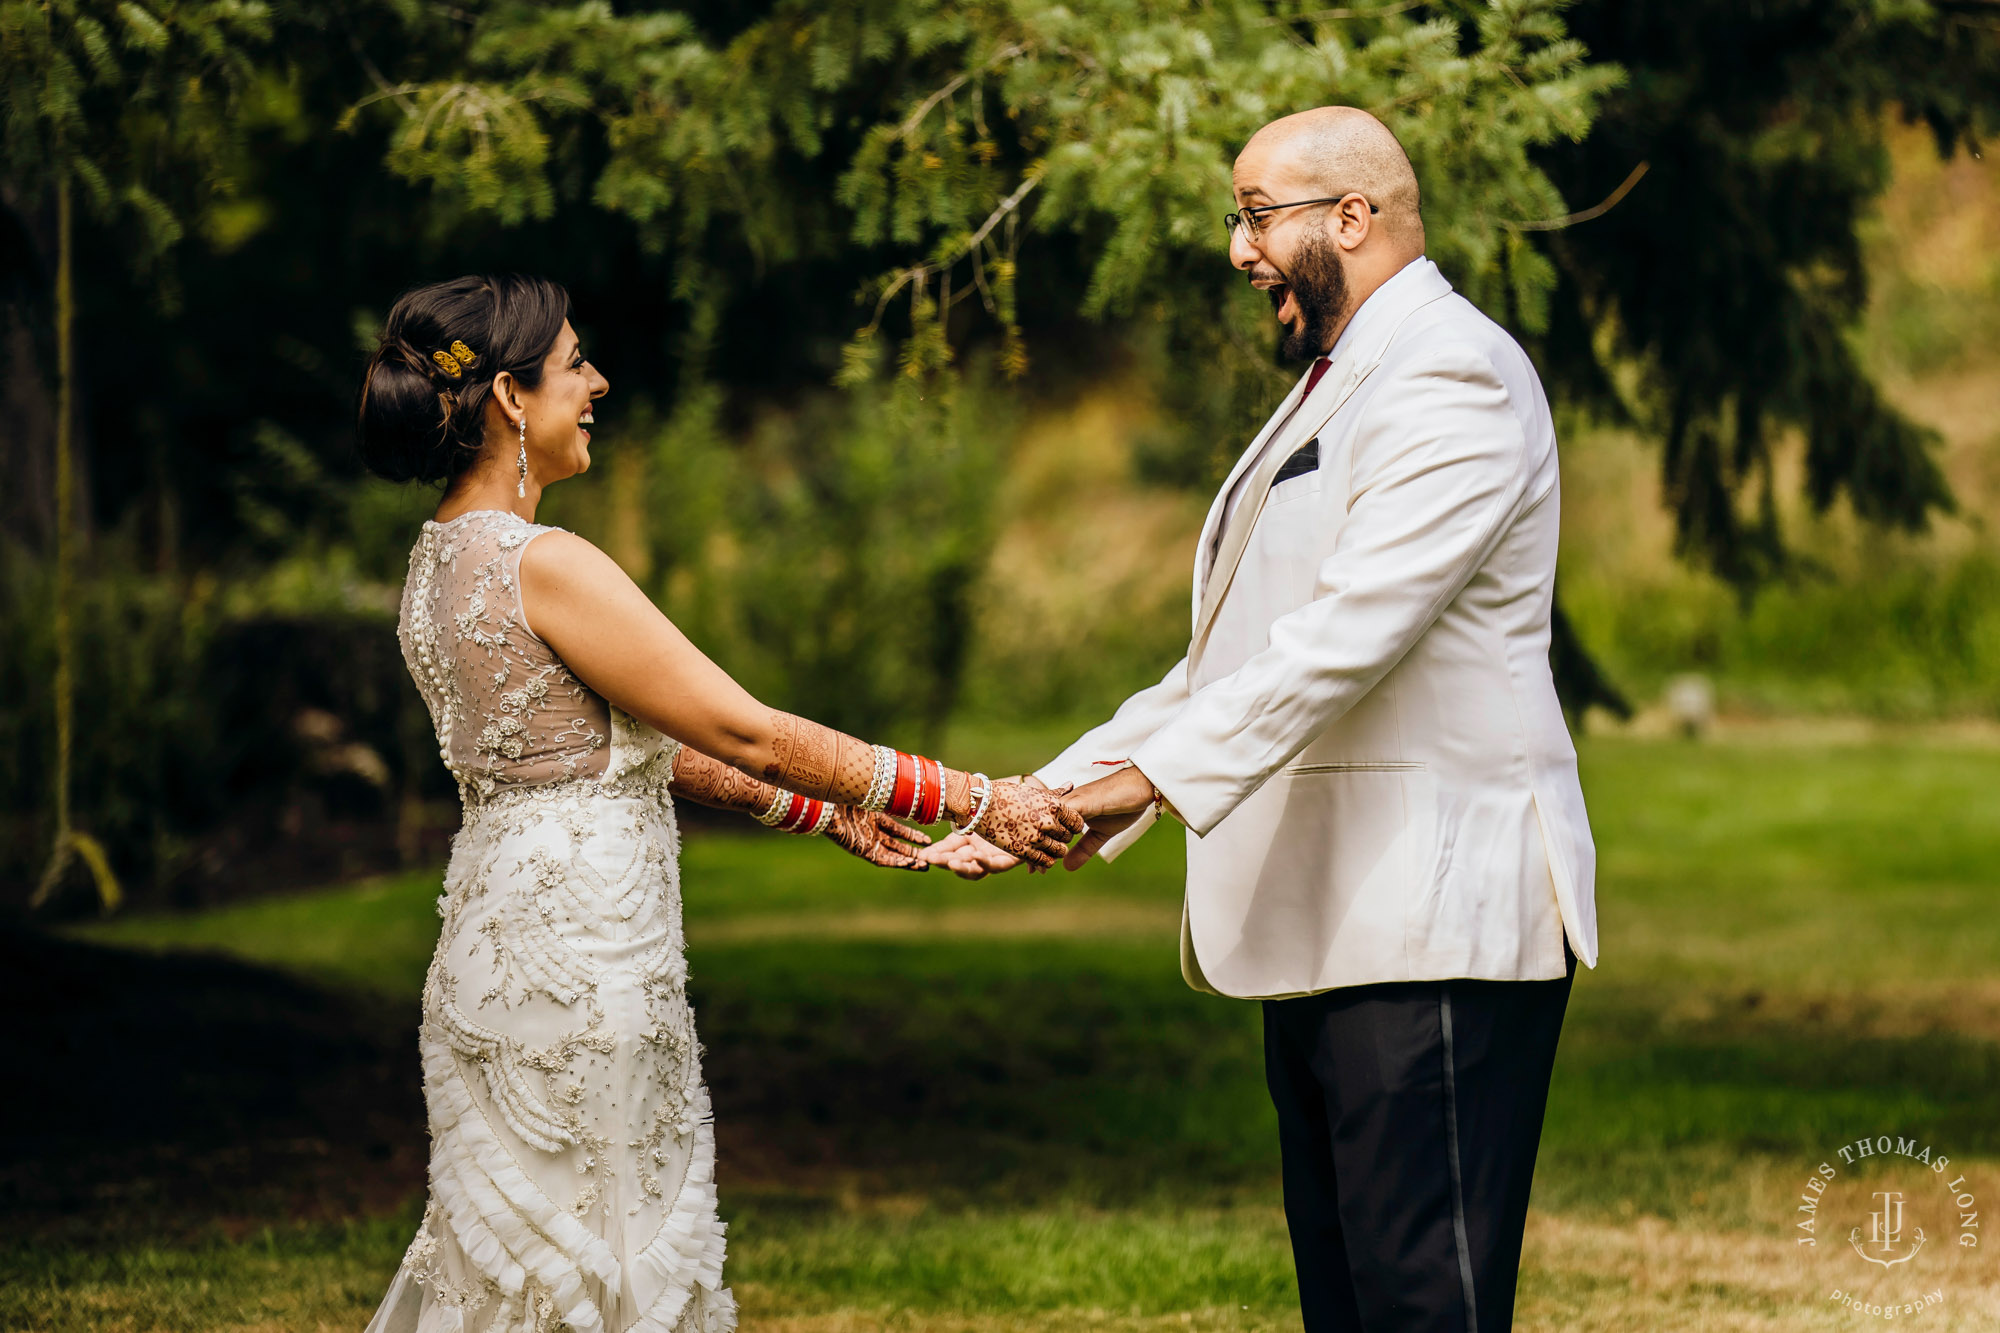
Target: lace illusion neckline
472,513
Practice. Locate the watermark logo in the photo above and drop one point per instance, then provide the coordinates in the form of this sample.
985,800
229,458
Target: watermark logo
1885,1231
1891,1199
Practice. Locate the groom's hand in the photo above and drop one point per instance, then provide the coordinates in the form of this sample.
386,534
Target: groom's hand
1109,804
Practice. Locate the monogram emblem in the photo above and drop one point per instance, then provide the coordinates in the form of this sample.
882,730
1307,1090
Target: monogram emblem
1885,1232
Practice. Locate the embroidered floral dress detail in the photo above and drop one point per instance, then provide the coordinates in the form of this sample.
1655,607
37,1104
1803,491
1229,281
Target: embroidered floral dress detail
508,712
572,1153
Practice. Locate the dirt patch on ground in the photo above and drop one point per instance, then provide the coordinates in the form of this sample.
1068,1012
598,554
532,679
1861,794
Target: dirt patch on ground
153,1092
1041,1321
1665,1278
1879,1011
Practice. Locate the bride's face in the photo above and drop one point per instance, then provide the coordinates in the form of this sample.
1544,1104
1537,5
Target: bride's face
558,412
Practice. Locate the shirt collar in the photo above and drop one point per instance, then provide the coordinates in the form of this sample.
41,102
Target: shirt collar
1387,296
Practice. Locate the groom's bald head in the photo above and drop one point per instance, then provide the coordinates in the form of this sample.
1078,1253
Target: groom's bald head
1329,213
1342,149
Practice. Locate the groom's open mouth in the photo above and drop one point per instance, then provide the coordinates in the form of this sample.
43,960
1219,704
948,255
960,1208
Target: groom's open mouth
1283,302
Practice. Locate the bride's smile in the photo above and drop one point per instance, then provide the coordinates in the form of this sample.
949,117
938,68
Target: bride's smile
558,411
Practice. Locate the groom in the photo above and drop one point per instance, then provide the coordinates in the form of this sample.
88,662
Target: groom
1387,843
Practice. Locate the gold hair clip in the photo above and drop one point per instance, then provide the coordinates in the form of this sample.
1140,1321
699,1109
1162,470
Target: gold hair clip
455,360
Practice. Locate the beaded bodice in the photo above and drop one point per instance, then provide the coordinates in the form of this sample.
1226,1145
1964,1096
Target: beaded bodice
508,713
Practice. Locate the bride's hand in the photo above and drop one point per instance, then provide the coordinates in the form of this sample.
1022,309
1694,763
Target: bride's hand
1032,823
878,839
969,856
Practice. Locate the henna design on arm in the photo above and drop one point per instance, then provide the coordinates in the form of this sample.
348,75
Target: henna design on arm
711,782
854,763
784,738
874,838
811,771
802,759
829,765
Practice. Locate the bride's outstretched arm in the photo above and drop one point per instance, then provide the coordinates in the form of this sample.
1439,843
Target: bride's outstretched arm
872,836
606,630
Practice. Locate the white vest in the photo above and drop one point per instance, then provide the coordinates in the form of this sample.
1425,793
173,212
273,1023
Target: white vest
1364,738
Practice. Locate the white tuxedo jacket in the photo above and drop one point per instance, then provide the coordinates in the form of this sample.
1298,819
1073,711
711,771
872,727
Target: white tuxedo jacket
1364,738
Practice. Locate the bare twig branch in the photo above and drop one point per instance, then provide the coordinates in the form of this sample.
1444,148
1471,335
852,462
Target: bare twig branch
382,85
1005,207
925,107
921,273
1570,220
1339,15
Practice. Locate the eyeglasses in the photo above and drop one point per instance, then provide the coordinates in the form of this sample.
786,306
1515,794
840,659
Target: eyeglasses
1248,217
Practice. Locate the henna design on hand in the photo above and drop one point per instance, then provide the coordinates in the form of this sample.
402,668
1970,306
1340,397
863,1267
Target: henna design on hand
957,795
1030,823
878,839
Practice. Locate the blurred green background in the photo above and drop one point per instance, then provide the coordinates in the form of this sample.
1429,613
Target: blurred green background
925,358
925,362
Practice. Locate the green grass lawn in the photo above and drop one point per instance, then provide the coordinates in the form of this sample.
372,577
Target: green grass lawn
995,1105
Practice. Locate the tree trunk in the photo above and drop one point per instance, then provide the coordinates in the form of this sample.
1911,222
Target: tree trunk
68,841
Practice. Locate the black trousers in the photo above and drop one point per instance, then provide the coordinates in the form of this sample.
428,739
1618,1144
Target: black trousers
1409,1114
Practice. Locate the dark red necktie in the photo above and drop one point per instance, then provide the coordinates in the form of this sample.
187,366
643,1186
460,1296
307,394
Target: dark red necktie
1320,367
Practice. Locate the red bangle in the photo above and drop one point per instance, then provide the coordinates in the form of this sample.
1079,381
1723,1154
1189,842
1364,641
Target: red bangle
933,803
803,814
903,798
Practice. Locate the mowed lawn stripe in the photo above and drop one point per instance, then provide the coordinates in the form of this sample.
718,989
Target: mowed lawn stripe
996,1106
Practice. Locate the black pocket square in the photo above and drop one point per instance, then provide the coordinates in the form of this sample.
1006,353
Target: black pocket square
1301,464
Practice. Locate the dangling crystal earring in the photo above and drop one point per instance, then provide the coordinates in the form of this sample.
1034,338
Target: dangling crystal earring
521,487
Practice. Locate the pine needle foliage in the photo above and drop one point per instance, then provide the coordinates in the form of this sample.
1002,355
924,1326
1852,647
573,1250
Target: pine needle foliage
107,99
946,138
133,102
1733,275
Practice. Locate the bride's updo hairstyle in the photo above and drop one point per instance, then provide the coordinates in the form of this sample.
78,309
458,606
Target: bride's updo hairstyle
423,400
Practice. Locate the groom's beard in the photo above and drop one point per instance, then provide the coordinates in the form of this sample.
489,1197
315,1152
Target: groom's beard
1318,281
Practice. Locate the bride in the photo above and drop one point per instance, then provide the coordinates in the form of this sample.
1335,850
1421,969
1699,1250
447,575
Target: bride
572,1157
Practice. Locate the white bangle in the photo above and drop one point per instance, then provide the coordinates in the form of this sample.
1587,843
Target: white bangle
825,818
884,785
781,801
984,786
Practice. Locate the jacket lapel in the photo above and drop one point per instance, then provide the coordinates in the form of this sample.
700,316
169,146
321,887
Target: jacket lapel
1346,375
1278,419
1257,486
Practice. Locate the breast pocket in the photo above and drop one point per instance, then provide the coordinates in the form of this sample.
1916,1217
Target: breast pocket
1298,488
1304,462
1284,551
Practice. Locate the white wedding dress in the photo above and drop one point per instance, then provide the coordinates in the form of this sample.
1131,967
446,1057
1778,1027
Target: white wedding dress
572,1169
